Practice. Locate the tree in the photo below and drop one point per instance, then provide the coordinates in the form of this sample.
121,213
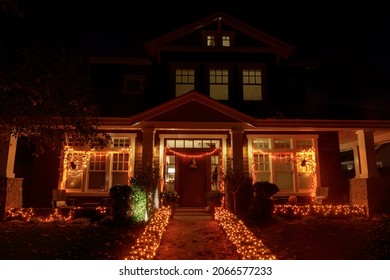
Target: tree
147,178
45,92
235,180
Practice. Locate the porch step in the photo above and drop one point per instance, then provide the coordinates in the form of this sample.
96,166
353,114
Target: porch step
192,213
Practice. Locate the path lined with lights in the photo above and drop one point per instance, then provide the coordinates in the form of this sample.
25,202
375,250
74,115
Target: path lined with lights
247,245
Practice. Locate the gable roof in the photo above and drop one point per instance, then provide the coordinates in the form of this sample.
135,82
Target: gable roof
281,48
192,107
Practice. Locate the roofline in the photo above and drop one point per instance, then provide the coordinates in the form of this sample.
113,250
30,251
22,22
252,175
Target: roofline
285,49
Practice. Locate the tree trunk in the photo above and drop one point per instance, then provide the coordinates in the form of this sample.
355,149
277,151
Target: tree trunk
235,202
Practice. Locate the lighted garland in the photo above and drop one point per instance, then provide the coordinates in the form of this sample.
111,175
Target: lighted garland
46,215
148,243
326,211
248,246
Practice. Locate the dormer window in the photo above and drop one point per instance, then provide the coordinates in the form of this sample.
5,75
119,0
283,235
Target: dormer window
218,38
211,41
225,41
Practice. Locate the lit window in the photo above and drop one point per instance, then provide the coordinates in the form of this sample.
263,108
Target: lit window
226,41
211,41
219,84
252,84
97,171
290,167
184,80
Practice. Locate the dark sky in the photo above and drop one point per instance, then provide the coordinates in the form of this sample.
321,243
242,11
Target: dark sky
352,41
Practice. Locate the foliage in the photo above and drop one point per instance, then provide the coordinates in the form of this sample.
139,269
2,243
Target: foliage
262,207
235,180
120,192
214,196
265,189
147,178
139,201
122,208
169,197
45,91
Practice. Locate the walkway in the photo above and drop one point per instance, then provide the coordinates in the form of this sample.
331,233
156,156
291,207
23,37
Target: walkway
193,235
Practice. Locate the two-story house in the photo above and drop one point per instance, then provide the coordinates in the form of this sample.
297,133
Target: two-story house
210,96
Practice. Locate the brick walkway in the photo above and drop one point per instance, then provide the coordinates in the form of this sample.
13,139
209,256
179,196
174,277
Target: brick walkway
195,239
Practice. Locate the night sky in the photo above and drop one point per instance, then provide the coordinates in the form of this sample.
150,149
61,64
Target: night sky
350,41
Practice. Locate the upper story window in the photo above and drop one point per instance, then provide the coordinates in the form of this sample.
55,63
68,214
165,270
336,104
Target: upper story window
252,84
133,84
225,41
211,41
184,80
219,83
218,38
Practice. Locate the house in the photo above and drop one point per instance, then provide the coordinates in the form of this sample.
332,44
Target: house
213,95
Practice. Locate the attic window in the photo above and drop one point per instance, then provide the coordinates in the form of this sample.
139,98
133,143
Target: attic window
211,41
225,41
218,38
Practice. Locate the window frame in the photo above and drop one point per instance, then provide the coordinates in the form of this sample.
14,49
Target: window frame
109,151
262,67
137,78
218,38
222,66
293,151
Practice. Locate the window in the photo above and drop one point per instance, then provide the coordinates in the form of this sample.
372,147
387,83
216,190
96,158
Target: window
184,80
219,39
97,171
252,84
225,41
219,83
133,84
86,170
170,171
211,41
287,161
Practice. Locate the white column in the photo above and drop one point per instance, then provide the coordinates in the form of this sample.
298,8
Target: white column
11,157
356,161
367,154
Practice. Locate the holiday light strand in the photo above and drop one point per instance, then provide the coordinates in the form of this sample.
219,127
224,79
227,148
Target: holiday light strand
336,211
147,245
167,149
247,245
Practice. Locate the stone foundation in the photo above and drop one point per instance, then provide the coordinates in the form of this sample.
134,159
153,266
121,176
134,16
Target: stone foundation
14,196
372,193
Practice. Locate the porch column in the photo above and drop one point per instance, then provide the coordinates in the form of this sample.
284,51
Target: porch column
356,162
147,146
237,147
10,187
367,188
367,157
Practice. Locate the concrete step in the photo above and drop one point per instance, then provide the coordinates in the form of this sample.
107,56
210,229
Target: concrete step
193,213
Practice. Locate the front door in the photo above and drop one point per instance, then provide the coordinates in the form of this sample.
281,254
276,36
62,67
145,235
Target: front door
193,180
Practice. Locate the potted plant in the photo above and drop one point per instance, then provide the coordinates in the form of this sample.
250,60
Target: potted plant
170,198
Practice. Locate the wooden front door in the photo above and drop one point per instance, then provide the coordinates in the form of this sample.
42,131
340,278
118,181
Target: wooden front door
193,181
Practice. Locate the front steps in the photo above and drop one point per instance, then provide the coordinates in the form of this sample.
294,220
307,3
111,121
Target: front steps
191,213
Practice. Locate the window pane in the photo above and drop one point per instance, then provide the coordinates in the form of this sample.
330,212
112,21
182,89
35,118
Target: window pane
119,178
252,88
97,180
